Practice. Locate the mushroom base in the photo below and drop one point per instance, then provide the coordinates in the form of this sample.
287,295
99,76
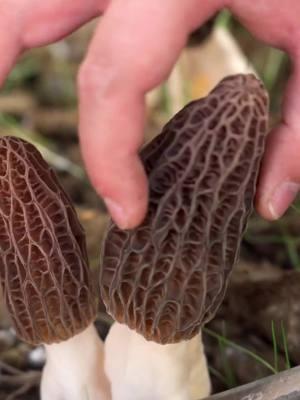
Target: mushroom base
139,369
74,369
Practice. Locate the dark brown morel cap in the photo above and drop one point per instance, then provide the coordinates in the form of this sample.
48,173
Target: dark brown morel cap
43,262
167,278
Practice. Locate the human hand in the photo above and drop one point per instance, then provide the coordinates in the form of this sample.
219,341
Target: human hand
133,50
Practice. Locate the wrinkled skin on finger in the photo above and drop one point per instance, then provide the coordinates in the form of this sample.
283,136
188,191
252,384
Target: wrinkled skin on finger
133,50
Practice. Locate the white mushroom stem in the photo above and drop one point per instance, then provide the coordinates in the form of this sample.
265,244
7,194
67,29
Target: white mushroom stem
139,369
74,369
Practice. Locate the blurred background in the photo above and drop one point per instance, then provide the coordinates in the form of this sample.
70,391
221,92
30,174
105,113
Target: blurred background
256,330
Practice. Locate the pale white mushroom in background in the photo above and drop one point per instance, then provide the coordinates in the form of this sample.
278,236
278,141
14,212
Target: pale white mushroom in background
46,282
198,69
142,370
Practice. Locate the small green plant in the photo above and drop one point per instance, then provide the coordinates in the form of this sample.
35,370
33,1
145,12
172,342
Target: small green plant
242,349
228,378
275,347
261,232
26,70
285,346
227,368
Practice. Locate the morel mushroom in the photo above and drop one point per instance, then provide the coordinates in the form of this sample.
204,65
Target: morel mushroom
167,278
45,276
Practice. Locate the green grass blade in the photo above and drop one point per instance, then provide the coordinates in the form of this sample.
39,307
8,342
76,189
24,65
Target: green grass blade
291,248
275,346
224,19
240,348
296,207
229,374
274,62
217,374
285,346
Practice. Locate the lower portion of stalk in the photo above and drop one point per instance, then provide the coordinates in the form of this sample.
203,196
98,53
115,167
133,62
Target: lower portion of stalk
74,369
139,369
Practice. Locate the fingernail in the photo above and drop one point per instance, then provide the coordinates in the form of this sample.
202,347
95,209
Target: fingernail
282,197
117,213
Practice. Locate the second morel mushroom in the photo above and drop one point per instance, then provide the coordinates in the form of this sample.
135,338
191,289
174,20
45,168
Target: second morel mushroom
167,278
45,276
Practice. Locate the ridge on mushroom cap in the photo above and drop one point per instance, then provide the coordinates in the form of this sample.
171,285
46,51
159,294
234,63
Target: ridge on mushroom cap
167,277
43,260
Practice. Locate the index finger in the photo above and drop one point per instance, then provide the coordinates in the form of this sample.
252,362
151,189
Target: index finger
134,49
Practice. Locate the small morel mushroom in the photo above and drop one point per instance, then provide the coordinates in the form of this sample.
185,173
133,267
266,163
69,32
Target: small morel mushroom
45,276
167,278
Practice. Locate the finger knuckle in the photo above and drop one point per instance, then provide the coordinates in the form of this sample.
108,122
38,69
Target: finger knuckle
98,78
88,77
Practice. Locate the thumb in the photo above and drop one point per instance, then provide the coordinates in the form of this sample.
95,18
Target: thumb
279,180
